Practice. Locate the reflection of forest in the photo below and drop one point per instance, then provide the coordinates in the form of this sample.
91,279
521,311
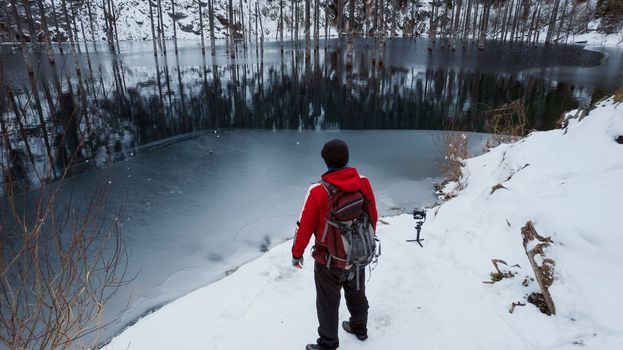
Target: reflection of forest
134,106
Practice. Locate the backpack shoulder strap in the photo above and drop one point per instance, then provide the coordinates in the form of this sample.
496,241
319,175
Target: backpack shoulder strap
329,187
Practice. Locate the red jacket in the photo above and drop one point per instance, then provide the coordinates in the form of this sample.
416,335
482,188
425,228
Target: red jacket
316,207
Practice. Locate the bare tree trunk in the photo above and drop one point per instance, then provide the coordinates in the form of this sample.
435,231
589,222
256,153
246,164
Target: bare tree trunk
232,47
382,33
296,22
114,19
242,26
513,20
515,28
249,22
203,41
351,34
467,22
91,25
432,29
162,33
366,16
257,31
46,32
475,21
552,23
91,76
340,17
316,24
75,27
153,31
212,38
261,40
56,25
562,19
104,6
174,23
538,20
484,25
532,23
307,33
326,24
281,24
394,10
457,23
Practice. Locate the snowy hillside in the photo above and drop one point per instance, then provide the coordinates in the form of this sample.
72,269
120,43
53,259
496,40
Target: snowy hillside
434,297
597,22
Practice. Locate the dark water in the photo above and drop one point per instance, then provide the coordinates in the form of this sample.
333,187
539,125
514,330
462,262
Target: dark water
134,98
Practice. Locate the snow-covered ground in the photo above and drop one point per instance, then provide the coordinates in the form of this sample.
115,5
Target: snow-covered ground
434,297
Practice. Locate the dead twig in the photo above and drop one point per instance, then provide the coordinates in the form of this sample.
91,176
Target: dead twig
513,305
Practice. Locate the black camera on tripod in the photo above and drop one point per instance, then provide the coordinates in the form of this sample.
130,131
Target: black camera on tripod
419,215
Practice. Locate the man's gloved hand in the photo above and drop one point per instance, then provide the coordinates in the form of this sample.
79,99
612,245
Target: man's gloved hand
297,262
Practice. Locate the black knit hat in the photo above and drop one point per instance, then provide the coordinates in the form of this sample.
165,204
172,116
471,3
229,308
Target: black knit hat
335,154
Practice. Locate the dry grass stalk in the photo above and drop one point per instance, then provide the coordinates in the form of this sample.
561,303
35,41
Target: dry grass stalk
618,95
499,275
506,124
543,273
452,146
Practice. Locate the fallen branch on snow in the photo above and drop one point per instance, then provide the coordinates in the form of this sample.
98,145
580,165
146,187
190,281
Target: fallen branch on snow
544,273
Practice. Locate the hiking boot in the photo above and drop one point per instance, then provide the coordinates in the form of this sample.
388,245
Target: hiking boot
312,347
346,326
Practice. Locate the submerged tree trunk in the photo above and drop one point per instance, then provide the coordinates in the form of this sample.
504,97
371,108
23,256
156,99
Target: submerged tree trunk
33,86
74,54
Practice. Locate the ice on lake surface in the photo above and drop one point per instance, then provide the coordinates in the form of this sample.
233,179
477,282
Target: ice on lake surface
200,207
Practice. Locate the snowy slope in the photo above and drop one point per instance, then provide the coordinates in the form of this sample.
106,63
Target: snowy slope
433,297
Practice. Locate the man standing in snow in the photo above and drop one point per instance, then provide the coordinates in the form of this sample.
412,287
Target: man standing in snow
328,276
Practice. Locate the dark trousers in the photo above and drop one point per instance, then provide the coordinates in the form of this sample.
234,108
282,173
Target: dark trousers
329,282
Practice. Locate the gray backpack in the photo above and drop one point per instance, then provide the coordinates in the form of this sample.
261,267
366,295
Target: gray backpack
348,233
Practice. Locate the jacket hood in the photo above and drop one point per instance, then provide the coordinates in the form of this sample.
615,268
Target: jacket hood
347,180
